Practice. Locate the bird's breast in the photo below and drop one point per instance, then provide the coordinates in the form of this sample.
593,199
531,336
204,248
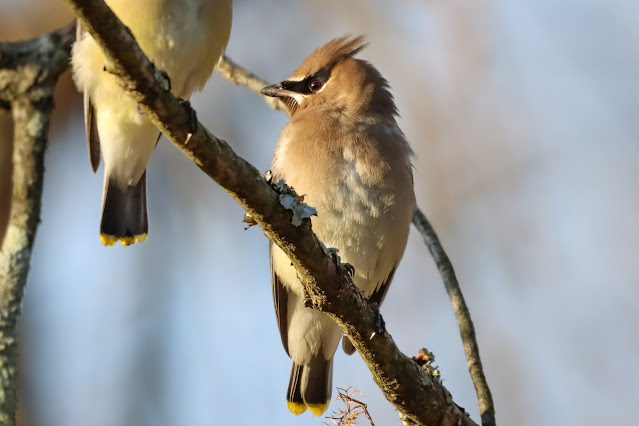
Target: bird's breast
185,38
361,204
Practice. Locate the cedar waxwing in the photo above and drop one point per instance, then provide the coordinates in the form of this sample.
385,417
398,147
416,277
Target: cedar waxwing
185,38
343,151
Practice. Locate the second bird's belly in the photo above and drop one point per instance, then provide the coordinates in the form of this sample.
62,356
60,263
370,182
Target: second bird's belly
359,239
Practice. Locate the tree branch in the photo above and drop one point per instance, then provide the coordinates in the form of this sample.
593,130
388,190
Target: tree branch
466,327
240,76
28,73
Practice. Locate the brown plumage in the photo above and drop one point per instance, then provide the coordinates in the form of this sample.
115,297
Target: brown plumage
342,150
335,61
327,56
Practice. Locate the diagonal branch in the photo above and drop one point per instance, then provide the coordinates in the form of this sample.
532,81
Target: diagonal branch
412,391
466,327
28,73
238,75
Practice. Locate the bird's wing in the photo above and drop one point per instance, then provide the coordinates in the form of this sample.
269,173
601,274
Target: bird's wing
377,297
90,125
93,139
379,294
280,300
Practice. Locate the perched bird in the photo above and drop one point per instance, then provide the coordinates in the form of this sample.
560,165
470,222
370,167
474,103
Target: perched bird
343,151
184,38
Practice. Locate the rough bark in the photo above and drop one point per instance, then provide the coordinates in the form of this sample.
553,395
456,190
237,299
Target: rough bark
28,73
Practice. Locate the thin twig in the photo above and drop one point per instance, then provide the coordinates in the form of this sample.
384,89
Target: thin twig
238,75
353,408
466,328
364,408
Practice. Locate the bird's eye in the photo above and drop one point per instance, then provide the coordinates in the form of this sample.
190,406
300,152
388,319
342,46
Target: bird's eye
315,85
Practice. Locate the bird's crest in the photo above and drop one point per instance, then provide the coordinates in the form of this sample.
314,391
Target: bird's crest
330,54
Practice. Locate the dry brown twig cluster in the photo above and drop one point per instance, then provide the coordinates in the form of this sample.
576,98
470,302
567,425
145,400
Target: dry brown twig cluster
353,409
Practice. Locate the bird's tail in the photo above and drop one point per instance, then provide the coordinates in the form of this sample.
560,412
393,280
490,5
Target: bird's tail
310,386
124,216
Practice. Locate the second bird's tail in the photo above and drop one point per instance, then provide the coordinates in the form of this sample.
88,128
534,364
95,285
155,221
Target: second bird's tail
310,386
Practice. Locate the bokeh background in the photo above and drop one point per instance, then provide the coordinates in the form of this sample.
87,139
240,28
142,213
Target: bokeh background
523,116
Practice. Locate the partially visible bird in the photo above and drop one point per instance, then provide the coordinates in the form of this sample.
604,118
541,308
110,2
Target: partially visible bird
344,152
184,38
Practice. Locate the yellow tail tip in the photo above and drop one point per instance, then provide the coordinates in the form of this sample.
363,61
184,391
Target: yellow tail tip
296,408
317,409
109,240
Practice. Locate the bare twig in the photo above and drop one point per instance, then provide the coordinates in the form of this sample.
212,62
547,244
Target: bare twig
238,75
28,73
466,328
353,408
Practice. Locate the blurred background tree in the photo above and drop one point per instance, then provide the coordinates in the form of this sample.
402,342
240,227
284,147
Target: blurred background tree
522,116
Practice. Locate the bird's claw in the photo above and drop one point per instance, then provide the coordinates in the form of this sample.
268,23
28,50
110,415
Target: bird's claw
268,176
379,325
350,269
193,125
333,252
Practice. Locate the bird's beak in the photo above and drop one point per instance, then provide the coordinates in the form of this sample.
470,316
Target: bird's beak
275,90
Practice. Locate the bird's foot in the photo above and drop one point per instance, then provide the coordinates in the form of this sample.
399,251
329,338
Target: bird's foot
192,120
379,325
350,269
